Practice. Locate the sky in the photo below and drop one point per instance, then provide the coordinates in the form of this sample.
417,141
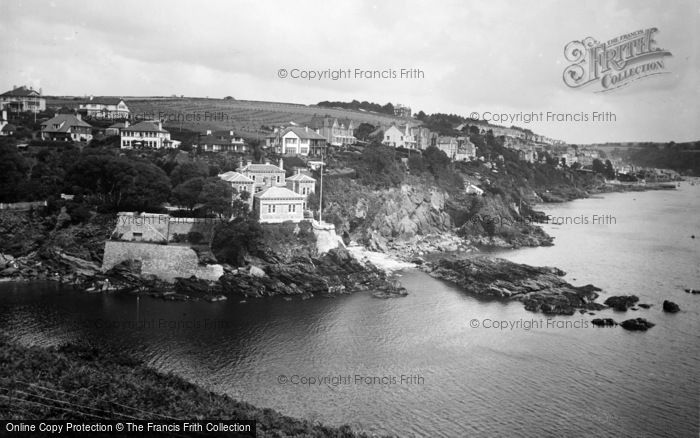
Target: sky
483,57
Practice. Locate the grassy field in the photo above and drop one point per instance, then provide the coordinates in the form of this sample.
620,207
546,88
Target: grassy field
244,116
83,383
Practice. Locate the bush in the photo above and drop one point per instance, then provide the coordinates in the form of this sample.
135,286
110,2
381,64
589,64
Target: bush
195,237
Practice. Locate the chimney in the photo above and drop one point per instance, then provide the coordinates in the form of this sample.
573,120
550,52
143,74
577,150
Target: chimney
281,166
160,125
298,170
208,131
92,97
14,87
78,116
267,161
240,163
249,162
126,123
306,128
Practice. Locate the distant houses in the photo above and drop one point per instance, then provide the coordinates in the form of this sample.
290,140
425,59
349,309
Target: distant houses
105,108
147,134
275,199
22,99
66,127
221,141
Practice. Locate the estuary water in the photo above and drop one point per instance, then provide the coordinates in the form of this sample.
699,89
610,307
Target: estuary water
438,363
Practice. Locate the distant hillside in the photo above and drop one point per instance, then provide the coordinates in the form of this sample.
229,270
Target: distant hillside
360,106
245,116
681,157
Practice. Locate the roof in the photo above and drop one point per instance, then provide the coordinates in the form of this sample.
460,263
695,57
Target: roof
9,128
119,125
253,167
303,133
21,91
104,100
300,177
65,122
211,139
275,192
145,126
236,177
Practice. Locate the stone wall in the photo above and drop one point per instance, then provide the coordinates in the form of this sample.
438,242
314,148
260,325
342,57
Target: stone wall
164,261
151,227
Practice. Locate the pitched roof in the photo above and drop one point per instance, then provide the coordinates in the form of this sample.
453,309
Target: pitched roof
145,126
104,100
9,128
275,192
236,177
256,167
21,91
300,177
303,133
119,125
65,122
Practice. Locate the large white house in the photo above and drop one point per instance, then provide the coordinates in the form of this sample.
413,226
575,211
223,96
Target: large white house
147,134
22,99
296,140
275,198
399,137
105,108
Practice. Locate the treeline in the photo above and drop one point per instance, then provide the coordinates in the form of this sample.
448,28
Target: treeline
108,181
357,105
681,157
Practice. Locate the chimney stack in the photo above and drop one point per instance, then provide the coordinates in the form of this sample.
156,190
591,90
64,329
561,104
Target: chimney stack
249,162
240,163
281,166
267,161
208,131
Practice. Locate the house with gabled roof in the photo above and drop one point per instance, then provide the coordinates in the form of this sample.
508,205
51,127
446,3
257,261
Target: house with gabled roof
105,108
22,99
66,127
297,140
221,141
337,132
147,134
301,183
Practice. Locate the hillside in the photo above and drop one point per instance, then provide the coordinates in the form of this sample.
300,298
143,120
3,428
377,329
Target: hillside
245,116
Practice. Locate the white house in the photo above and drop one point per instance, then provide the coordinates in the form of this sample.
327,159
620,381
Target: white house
22,99
105,108
296,140
474,190
147,134
399,137
279,204
302,184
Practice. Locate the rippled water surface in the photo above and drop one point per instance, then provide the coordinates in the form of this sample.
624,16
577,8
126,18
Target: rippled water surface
577,381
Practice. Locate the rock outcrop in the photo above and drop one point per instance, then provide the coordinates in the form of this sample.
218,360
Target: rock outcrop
622,303
541,289
637,324
671,307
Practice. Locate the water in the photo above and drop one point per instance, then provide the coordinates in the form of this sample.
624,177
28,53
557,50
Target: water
545,381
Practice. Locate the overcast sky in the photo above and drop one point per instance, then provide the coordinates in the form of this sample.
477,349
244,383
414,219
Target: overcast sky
495,56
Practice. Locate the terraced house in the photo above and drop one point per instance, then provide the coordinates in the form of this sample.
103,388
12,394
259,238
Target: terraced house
66,127
22,99
337,132
105,108
147,134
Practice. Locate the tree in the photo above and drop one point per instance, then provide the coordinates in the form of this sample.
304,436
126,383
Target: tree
598,166
13,172
364,130
216,195
184,171
187,193
233,241
609,170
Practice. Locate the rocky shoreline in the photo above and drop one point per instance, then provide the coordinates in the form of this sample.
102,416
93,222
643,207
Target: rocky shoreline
334,273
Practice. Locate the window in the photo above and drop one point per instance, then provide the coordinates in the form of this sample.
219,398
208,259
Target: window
138,236
292,208
278,179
